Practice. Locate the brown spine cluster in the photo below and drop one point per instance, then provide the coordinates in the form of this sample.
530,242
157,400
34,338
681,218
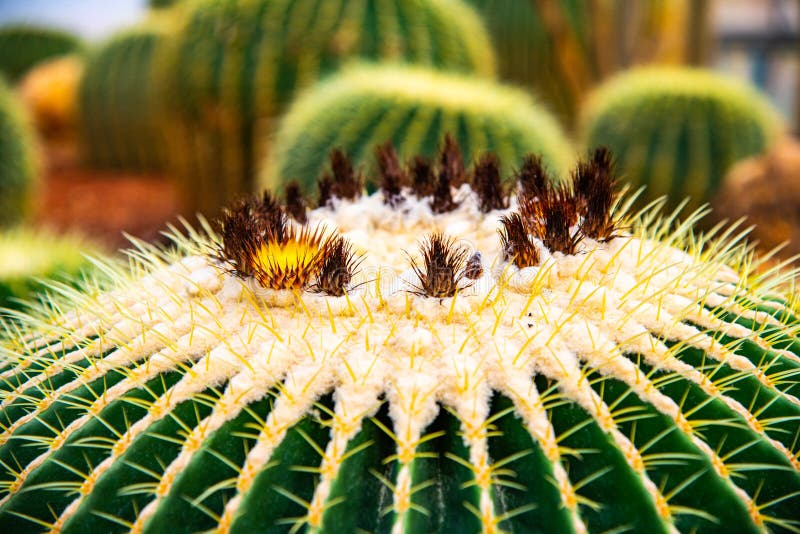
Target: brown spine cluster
342,181
442,268
488,185
595,183
560,215
532,177
259,241
393,177
338,266
295,203
517,241
422,177
451,162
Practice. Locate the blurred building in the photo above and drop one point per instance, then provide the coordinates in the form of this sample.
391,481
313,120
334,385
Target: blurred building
759,40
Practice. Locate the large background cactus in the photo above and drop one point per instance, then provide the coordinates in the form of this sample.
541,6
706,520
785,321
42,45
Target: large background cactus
234,66
678,131
634,382
17,158
23,46
562,48
119,111
413,108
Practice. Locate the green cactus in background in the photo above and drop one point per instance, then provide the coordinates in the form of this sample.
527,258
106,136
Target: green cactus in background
23,46
560,49
234,67
587,370
17,158
32,259
119,110
678,131
415,108
158,4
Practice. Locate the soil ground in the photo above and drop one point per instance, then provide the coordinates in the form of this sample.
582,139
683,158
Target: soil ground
102,205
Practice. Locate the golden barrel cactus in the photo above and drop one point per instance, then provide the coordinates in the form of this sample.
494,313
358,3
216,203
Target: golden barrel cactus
462,359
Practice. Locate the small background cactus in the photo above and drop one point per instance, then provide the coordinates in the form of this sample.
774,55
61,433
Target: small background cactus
412,107
18,164
50,92
233,67
119,108
678,131
34,259
23,46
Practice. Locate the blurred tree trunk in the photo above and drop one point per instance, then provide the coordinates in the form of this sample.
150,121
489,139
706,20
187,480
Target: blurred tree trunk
616,34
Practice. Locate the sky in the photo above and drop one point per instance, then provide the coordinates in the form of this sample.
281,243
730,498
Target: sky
92,19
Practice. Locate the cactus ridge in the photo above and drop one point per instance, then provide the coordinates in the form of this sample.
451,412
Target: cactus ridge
120,123
645,382
678,131
232,68
414,107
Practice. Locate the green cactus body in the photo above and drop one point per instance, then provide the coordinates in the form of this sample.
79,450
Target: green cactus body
17,158
562,48
23,46
678,131
119,118
412,107
640,383
32,258
234,67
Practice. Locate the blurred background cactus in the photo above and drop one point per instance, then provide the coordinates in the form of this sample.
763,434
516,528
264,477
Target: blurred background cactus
18,163
414,108
233,67
35,259
159,4
560,49
678,131
119,108
49,91
23,46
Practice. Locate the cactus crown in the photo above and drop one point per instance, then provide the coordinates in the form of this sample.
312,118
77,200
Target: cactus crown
408,369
